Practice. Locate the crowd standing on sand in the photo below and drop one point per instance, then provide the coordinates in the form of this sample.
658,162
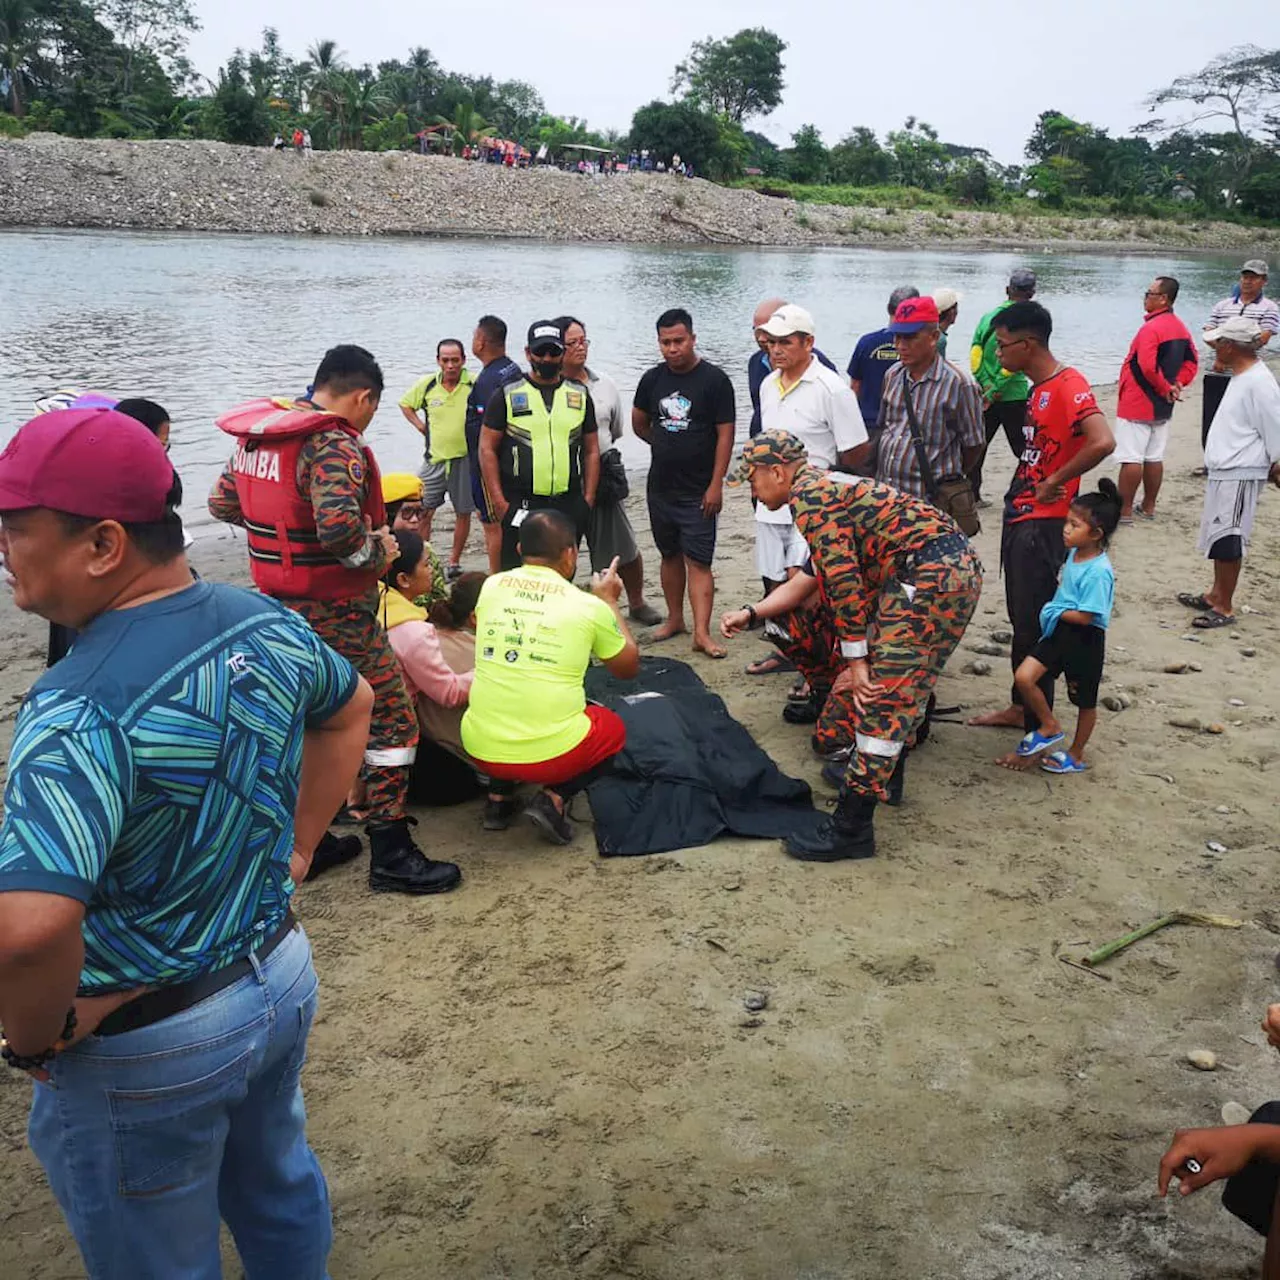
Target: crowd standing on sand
176,771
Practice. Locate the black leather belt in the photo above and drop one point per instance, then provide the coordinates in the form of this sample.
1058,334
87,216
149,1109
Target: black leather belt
164,1003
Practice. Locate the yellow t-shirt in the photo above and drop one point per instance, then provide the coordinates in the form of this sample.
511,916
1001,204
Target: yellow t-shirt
535,637
446,414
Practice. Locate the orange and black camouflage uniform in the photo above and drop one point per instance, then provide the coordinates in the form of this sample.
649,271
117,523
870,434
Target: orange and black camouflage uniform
899,583
331,469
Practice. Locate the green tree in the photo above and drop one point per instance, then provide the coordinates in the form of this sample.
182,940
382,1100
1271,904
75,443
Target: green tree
155,28
516,109
807,160
859,160
466,125
740,76
920,160
1236,87
677,128
21,31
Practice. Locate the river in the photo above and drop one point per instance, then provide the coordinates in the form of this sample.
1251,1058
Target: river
201,322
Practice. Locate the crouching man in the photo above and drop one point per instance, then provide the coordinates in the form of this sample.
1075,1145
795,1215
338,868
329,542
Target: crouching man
899,583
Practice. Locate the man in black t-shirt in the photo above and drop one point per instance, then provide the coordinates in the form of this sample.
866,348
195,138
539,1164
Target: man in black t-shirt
684,411
539,447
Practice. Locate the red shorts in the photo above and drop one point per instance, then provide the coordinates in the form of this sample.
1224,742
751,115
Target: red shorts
605,738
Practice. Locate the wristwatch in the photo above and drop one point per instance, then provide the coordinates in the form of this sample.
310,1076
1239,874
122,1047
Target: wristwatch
752,621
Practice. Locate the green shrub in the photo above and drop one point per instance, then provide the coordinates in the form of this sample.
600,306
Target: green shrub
11,126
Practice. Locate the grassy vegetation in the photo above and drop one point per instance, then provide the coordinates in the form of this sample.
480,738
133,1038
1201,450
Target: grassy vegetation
893,199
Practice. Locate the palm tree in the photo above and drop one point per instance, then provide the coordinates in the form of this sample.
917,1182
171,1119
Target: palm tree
324,60
19,41
353,102
466,125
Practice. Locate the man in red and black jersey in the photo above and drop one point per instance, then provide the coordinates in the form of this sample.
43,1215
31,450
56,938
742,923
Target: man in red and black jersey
1065,435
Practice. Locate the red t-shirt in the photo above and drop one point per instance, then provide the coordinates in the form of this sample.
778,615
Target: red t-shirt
1055,409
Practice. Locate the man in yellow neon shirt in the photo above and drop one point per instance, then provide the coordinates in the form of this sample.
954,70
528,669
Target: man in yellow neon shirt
442,397
536,633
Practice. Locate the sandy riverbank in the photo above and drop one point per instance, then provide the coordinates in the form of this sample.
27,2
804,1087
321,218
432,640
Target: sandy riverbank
546,1073
51,181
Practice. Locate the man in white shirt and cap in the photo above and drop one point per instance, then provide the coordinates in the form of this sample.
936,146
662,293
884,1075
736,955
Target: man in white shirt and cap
815,405
1242,453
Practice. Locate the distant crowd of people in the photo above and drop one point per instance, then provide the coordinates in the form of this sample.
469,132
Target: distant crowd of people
176,771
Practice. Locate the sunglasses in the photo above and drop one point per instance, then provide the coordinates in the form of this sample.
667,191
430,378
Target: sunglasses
544,352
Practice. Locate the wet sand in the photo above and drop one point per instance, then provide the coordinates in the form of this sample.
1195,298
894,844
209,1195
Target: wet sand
550,1073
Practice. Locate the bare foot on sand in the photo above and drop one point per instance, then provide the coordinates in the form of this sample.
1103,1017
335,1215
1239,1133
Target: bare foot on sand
672,627
1009,718
1019,764
707,645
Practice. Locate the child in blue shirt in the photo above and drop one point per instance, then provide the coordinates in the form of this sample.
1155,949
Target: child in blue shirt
1073,632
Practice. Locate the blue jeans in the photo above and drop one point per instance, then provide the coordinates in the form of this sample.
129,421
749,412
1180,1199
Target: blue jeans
151,1136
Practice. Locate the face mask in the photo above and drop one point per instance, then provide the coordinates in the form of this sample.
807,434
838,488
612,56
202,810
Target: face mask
546,369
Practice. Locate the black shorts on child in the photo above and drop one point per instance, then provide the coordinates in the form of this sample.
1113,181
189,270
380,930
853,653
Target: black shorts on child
1077,652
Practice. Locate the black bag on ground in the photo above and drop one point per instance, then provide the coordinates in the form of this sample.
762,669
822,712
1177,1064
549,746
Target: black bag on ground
689,771
1251,1193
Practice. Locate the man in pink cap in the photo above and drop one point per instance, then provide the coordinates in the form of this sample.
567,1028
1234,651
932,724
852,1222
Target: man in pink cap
168,782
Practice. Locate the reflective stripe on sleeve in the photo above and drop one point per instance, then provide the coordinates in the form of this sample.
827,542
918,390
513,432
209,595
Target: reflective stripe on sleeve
853,648
869,746
390,757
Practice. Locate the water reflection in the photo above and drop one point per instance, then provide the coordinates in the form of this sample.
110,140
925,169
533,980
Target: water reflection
200,322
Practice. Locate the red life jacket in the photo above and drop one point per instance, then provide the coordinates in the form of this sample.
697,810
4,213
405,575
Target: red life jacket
286,557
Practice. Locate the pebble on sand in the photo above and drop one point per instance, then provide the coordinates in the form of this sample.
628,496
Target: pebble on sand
754,1001
1215,846
1248,653
1234,1113
1112,703
1203,1059
1175,668
1186,722
1215,727
977,667
1003,636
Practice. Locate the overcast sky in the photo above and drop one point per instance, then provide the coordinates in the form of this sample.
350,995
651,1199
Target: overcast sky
979,71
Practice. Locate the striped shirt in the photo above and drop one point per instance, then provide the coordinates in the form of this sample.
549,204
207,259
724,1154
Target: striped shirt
1263,312
154,774
949,411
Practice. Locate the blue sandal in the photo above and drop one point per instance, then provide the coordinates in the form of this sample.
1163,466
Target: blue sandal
1036,742
1061,762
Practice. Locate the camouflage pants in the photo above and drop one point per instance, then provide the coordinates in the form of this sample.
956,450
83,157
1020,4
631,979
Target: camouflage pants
812,645
916,628
351,628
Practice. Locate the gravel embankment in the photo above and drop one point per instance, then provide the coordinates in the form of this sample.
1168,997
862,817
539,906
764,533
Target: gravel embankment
51,181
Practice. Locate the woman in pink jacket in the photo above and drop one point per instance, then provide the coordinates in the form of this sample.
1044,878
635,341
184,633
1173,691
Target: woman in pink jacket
436,650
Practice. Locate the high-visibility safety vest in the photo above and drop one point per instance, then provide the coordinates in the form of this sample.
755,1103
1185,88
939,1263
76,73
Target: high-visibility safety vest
286,557
541,452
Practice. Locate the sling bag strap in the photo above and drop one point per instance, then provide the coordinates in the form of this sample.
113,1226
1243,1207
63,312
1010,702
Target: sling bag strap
926,471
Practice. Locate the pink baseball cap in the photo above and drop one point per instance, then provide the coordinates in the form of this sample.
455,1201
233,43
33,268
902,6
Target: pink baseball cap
95,463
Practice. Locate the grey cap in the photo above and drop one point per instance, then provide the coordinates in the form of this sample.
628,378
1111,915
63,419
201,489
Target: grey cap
1255,266
900,295
1023,279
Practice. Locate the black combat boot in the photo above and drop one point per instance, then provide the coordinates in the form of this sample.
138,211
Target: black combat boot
397,865
808,710
898,780
332,851
848,833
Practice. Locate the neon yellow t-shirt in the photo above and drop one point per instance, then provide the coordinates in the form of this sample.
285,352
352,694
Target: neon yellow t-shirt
446,414
535,637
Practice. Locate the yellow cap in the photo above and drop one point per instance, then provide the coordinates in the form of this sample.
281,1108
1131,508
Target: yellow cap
397,486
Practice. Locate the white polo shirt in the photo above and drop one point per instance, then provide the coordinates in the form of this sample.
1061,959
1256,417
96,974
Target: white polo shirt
820,411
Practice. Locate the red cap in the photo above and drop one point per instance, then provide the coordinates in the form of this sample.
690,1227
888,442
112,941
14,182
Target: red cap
95,463
913,314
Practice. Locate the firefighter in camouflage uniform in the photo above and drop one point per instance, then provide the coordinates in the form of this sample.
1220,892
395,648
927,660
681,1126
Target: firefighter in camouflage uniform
305,487
885,599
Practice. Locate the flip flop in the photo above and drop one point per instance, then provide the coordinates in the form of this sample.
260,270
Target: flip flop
1061,762
1144,515
1035,742
1212,620
1126,519
769,665
1193,601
